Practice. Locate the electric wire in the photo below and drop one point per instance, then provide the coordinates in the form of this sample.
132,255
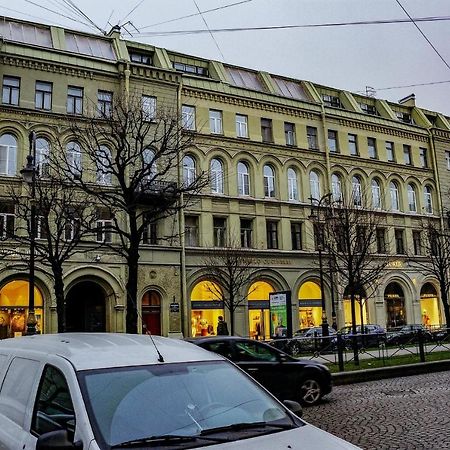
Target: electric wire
212,35
430,83
31,16
132,11
423,34
288,27
71,3
195,14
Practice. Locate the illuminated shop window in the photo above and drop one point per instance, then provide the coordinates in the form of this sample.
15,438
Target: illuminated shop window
206,307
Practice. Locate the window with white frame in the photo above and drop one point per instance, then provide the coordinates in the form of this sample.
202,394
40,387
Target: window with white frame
241,126
269,181
243,179
104,103
376,194
412,200
188,117
188,170
423,157
314,185
8,154
356,191
352,144
42,155
393,189
103,162
428,199
289,133
292,185
43,95
215,121
333,141
390,152
74,159
149,164
71,226
148,107
74,100
104,226
372,148
336,187
216,176
407,154
7,218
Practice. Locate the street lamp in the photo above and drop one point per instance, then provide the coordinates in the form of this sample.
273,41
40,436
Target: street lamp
29,176
316,220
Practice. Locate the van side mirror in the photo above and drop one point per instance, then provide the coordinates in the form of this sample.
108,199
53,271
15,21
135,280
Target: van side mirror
57,440
294,407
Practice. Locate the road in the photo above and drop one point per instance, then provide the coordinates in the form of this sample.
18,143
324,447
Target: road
408,413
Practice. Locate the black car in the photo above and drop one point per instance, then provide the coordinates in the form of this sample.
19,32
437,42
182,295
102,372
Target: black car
372,335
409,334
286,377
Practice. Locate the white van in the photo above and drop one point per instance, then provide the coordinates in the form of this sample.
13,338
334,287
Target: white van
118,391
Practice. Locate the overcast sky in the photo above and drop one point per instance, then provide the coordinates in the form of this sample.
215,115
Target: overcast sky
346,57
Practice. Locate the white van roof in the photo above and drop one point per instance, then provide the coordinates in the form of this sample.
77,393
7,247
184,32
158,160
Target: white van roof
101,350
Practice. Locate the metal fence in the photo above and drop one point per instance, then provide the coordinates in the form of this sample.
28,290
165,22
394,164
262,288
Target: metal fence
340,349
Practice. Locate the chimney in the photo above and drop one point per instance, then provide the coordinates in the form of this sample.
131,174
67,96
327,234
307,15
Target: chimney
114,32
409,100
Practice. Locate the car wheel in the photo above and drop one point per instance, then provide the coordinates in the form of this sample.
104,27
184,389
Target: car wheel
310,391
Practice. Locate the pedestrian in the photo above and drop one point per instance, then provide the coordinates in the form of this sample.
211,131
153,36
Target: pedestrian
222,327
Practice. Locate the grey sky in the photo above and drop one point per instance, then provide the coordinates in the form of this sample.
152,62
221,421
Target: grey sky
349,58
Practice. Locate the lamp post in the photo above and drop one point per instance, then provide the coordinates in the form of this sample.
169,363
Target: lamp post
29,176
316,220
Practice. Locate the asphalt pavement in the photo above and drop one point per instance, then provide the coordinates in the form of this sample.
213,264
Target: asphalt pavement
406,413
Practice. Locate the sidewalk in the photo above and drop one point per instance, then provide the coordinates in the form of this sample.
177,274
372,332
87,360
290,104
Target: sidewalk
359,376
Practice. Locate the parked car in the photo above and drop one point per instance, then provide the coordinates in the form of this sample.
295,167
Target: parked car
372,335
286,377
118,391
408,334
441,334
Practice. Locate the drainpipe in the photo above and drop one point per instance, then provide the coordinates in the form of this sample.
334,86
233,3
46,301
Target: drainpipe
327,150
127,73
436,176
183,287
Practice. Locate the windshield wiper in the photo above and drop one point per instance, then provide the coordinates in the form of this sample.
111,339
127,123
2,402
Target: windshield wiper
247,426
167,439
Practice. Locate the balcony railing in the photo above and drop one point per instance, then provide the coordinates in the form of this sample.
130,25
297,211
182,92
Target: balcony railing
157,190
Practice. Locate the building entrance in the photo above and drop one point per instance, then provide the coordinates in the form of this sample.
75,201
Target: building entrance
395,306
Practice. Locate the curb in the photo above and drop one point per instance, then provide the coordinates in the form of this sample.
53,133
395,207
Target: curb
360,376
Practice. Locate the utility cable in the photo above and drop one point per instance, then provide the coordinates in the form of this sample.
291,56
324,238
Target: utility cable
431,83
132,11
423,34
71,3
206,24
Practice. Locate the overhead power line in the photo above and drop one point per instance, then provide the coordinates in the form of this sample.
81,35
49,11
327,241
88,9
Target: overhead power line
430,83
287,27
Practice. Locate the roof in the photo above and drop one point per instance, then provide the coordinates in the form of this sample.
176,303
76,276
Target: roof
101,350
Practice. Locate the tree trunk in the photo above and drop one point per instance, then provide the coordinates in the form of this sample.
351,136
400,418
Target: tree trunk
354,338
58,285
232,308
445,303
131,289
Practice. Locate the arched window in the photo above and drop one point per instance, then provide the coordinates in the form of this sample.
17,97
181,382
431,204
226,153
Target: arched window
336,187
292,184
103,162
428,199
243,179
356,191
393,189
188,170
412,202
269,182
74,158
376,194
314,185
8,154
42,154
149,164
216,174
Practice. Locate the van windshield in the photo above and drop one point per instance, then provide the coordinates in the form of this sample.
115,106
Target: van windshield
182,399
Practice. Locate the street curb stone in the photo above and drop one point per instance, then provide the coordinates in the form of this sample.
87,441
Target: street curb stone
360,376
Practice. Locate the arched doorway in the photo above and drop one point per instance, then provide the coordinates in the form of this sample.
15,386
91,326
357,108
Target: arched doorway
395,305
361,314
14,309
429,305
206,307
259,309
151,312
309,305
85,308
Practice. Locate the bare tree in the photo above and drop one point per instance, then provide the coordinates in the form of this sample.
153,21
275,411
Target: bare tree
132,170
436,248
350,239
64,220
231,269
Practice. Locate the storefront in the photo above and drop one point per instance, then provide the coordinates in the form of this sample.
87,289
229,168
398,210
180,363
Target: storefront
395,306
206,307
259,309
151,312
361,315
429,305
309,305
14,309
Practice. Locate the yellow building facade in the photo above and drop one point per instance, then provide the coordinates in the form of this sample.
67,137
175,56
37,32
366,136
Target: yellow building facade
269,144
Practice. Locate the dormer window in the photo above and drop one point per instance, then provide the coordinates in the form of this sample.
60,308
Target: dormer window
403,117
141,58
369,109
191,68
332,100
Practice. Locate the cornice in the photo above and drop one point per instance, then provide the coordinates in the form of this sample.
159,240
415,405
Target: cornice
155,74
441,134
